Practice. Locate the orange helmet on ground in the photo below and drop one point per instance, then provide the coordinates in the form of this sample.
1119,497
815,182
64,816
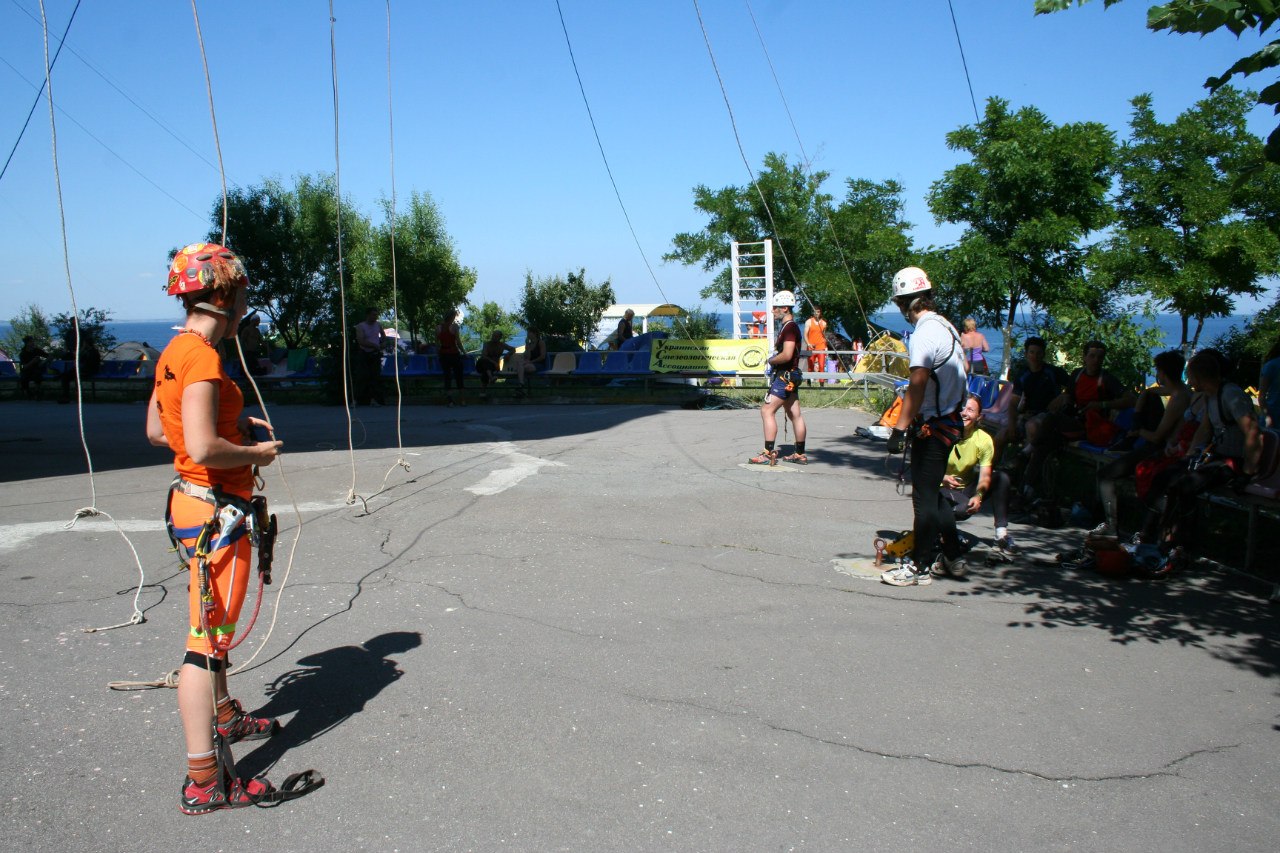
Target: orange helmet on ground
205,266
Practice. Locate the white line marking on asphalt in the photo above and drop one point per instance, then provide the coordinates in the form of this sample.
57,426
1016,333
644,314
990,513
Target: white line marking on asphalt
521,466
15,535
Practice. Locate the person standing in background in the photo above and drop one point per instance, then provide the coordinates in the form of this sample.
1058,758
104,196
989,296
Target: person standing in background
449,347
368,373
975,348
815,340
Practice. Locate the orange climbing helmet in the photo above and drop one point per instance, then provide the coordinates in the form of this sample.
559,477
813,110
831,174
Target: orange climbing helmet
205,266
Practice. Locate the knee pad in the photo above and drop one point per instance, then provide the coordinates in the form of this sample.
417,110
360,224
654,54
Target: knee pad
204,661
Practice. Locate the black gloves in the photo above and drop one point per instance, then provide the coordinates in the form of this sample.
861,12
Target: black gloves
897,441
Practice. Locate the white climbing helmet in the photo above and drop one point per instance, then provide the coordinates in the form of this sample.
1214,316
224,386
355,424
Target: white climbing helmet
910,281
784,299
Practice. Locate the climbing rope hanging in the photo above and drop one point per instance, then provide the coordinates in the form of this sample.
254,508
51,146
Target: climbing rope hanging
400,462
352,496
137,616
257,393
599,144
831,230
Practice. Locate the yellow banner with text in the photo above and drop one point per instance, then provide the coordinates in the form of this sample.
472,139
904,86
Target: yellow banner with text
724,356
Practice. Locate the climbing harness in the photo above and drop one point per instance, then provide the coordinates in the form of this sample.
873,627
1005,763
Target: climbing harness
232,518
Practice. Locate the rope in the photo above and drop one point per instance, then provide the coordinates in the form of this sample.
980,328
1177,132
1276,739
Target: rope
91,510
395,288
257,392
39,94
964,62
342,287
835,239
755,183
599,144
217,144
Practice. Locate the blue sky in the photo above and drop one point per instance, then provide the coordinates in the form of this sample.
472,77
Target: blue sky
490,122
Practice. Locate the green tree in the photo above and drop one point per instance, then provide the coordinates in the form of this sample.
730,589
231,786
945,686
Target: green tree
1202,17
1130,335
288,240
93,327
31,320
566,306
840,258
1183,233
695,325
429,276
482,322
1029,195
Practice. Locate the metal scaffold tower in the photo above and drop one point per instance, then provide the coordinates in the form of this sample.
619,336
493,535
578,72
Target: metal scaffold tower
752,268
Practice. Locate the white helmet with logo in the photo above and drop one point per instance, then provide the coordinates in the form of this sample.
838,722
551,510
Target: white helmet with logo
910,281
784,299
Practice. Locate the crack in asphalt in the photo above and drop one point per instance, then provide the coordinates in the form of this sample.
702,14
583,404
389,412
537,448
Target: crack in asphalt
462,601
1166,770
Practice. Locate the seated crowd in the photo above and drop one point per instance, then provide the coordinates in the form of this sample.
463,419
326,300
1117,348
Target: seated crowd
1178,440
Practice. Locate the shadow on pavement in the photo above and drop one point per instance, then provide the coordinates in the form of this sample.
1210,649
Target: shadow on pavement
325,691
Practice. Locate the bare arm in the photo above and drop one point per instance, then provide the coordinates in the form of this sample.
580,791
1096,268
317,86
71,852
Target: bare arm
913,398
1169,421
788,352
200,432
155,429
1252,443
984,485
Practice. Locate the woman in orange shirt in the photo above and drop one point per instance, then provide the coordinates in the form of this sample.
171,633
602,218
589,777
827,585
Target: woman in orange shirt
196,411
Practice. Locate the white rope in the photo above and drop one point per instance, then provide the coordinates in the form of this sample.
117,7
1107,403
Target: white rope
92,509
257,392
773,225
831,229
352,497
599,144
395,289
217,144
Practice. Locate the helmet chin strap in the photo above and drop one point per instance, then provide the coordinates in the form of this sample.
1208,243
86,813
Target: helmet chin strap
205,306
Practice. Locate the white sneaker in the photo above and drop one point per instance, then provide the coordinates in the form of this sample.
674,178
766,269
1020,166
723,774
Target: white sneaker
1102,530
906,575
944,565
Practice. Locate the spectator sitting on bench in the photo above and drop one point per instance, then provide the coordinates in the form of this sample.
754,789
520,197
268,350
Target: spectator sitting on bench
1033,391
535,352
490,359
1225,449
970,479
1157,425
1084,410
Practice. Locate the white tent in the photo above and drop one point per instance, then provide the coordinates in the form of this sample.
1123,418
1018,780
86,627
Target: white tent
614,313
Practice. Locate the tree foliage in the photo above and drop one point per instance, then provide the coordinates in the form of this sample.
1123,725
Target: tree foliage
846,274
93,328
1202,17
288,240
1129,341
1030,194
695,325
30,320
429,278
565,306
482,322
1185,233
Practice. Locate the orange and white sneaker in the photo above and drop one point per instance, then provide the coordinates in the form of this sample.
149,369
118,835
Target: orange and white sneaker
765,457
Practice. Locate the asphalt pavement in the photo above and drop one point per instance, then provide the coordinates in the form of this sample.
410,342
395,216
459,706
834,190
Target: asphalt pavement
594,628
